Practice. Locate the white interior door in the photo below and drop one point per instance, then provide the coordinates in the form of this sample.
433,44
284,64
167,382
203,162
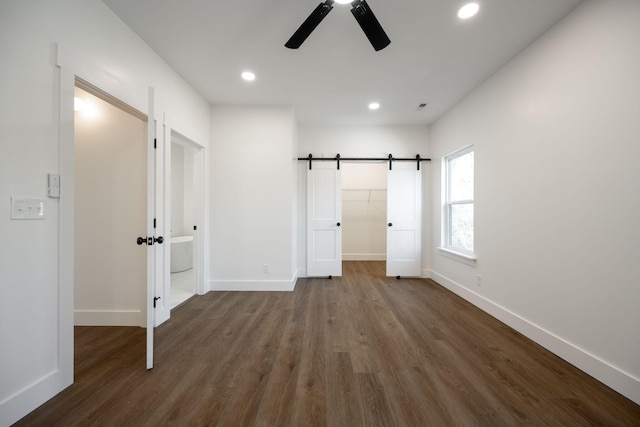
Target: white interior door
324,216
162,292
154,258
404,219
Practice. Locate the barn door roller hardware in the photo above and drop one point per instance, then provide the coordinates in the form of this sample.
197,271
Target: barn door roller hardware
338,159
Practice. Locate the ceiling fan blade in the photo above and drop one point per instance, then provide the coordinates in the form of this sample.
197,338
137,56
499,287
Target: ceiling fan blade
369,24
309,24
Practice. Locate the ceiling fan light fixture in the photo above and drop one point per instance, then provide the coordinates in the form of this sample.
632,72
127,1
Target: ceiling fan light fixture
248,76
468,10
360,11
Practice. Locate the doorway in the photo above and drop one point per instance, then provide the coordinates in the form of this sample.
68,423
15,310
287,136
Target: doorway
370,205
183,250
110,210
364,211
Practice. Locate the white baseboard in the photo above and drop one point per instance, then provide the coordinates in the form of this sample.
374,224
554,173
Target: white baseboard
109,318
364,257
35,394
622,382
254,285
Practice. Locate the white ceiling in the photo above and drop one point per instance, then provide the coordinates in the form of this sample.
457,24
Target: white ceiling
433,57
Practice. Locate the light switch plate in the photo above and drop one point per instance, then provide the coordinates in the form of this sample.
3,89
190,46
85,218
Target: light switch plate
53,185
27,208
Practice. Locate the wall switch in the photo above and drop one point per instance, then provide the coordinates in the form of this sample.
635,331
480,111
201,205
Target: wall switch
53,185
266,268
27,208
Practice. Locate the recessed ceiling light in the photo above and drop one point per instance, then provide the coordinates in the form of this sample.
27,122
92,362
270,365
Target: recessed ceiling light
468,10
374,106
344,1
248,76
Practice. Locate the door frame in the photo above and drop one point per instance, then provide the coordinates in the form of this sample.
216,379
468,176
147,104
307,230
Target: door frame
67,81
163,285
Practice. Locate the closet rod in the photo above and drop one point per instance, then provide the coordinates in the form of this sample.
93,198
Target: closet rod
389,159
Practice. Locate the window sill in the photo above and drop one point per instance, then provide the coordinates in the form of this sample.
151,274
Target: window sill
458,256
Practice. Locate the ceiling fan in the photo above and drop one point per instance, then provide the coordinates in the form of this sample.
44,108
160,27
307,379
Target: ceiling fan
360,10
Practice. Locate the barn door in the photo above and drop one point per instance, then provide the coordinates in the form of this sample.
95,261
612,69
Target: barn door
404,218
324,216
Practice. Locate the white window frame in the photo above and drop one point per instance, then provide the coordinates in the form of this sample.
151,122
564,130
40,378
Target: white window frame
448,204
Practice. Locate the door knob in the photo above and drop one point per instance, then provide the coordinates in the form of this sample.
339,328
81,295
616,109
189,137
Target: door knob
338,224
390,224
149,240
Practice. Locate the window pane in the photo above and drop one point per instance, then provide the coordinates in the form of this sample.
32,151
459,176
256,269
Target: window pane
461,175
461,221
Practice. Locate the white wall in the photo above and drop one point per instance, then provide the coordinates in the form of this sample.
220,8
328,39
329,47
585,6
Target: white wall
253,204
362,141
556,135
182,189
188,191
98,46
177,189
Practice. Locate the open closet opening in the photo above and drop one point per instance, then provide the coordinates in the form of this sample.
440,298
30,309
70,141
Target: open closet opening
364,211
357,195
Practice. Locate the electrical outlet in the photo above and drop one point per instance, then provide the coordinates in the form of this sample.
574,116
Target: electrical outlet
478,280
266,268
27,208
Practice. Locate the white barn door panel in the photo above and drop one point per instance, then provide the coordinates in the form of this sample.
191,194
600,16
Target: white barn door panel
404,220
324,216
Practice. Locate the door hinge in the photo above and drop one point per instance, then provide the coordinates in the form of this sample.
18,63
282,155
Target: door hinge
154,223
195,227
154,301
155,143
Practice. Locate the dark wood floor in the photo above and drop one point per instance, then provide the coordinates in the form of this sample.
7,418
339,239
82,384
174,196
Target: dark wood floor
361,350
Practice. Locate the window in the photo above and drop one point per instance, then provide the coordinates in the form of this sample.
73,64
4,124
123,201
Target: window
458,201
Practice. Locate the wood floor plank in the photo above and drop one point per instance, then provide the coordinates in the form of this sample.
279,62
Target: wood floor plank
344,404
245,402
310,406
276,408
376,410
357,350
